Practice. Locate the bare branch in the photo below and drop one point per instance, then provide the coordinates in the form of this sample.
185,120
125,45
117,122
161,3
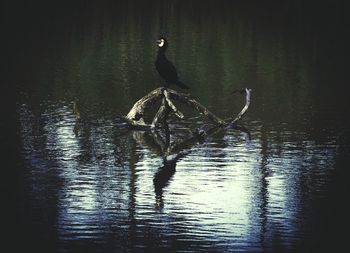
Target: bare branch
161,114
171,105
135,117
139,108
245,108
187,99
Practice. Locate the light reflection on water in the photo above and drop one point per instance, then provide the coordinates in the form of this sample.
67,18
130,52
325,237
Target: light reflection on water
92,185
229,192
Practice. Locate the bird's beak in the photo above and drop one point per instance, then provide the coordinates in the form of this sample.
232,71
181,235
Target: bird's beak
158,41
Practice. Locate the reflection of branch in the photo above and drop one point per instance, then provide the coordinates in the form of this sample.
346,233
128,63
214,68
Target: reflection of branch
180,147
163,142
144,138
198,136
243,129
173,152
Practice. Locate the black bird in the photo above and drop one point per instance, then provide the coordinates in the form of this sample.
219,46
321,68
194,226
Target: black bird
165,68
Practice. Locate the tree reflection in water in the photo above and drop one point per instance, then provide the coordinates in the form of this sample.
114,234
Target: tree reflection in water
159,141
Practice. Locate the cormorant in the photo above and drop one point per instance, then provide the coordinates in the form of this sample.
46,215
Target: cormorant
165,68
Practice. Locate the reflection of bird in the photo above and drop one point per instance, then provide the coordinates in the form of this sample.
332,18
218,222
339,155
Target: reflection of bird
162,177
161,180
165,68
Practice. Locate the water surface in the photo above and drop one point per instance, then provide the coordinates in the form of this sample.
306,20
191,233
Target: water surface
275,185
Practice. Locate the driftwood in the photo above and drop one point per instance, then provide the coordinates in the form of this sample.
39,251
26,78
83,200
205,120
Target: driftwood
135,117
158,139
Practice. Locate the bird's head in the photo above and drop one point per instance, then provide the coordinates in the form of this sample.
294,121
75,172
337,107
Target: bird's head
162,42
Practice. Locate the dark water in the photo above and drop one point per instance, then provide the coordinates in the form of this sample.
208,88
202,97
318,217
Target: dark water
279,184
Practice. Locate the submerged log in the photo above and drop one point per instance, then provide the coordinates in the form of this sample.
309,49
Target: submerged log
135,117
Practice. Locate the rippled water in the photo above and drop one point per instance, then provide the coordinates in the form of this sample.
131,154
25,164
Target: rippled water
111,188
274,184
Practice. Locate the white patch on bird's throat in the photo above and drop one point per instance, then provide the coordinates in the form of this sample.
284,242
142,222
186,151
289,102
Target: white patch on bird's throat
161,43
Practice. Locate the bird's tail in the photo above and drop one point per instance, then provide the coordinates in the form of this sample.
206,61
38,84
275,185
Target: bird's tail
182,85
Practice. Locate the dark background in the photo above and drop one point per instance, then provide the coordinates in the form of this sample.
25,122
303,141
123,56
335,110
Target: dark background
29,28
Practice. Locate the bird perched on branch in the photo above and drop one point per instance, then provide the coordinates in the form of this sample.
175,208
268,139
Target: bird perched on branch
165,68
